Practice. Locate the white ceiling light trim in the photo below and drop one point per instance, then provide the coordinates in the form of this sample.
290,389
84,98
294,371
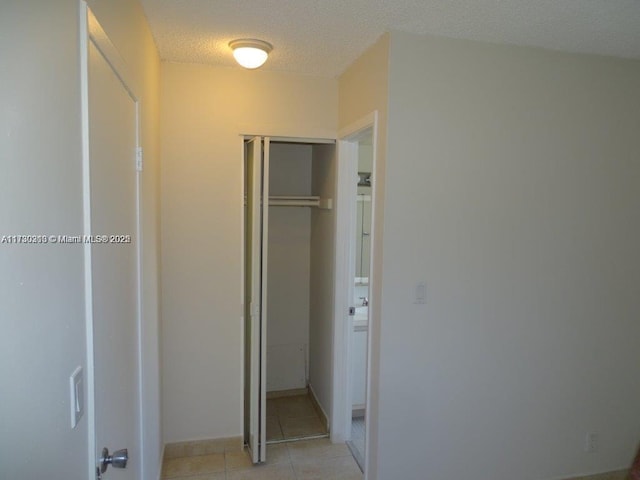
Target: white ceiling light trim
250,53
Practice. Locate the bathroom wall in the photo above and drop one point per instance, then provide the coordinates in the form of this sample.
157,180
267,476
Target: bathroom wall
363,215
360,291
365,156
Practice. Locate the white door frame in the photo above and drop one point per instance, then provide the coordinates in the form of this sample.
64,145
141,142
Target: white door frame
92,32
346,191
276,136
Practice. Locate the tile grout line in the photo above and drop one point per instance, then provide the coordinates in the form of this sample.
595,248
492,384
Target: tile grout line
293,469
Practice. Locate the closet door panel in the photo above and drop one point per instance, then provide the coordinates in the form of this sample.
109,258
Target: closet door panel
263,298
253,290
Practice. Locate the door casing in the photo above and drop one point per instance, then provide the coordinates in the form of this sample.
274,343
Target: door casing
92,33
344,275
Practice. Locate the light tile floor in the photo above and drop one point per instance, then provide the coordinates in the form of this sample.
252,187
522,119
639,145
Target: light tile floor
356,444
357,433
317,459
292,417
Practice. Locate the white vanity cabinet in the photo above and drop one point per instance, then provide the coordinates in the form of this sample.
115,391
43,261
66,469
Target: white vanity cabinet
359,365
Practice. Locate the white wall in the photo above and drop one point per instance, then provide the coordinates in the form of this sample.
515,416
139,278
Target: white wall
288,269
204,110
322,278
512,191
41,286
41,289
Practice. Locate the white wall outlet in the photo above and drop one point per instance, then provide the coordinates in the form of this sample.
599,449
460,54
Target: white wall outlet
76,393
591,442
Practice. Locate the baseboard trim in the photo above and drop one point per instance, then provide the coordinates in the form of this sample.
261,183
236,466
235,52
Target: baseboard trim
286,393
161,462
612,475
316,404
194,448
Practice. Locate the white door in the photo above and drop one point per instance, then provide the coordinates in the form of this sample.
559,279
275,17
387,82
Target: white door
257,190
113,134
263,300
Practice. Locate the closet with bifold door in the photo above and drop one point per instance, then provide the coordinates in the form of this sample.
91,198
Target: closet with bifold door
289,234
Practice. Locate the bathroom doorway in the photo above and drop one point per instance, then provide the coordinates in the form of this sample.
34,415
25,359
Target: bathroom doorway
360,333
355,299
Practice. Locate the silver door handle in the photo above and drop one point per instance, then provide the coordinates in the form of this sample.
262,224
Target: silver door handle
118,459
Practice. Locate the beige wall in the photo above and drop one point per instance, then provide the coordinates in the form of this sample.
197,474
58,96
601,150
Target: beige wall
512,191
42,287
363,90
204,110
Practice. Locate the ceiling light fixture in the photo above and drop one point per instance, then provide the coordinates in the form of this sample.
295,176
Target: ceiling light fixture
250,53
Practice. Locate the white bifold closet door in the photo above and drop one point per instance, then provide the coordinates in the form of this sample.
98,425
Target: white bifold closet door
257,212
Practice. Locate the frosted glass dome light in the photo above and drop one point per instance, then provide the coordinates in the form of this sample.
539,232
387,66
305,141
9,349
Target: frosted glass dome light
250,53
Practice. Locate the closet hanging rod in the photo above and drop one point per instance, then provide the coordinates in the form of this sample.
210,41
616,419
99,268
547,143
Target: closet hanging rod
300,201
294,201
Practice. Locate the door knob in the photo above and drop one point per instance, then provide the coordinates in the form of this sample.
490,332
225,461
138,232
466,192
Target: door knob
118,459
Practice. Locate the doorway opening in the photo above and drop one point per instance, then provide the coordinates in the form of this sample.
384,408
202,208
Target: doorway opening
355,283
361,295
289,254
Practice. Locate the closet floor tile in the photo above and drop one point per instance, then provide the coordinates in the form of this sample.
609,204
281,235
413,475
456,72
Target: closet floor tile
274,432
301,427
272,408
293,407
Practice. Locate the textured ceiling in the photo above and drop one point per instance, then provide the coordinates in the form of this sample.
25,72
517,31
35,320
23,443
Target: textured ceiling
323,37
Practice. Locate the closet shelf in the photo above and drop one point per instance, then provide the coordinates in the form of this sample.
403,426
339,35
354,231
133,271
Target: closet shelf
300,201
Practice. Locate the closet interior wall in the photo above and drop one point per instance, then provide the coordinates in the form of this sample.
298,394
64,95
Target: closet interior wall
288,269
300,271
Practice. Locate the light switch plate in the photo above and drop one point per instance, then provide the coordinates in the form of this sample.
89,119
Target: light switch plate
76,391
420,297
